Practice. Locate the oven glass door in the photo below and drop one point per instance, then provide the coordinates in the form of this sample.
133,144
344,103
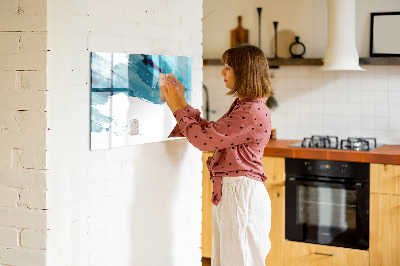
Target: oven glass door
326,207
326,213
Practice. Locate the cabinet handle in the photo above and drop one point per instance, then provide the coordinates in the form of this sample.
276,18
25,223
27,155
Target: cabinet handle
324,254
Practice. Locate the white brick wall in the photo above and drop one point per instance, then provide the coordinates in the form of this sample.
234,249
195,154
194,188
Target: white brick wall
138,205
23,128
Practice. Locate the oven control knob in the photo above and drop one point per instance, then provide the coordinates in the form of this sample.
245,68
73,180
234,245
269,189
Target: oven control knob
308,166
343,168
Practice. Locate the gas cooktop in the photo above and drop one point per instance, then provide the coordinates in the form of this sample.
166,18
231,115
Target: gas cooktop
332,142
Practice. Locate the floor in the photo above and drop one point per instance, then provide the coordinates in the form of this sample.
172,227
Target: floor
206,261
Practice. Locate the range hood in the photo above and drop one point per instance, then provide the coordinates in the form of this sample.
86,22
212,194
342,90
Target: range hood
341,51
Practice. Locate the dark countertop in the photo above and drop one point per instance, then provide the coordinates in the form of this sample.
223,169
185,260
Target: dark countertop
389,154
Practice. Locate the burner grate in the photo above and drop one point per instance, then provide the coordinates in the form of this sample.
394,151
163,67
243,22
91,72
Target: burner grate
358,144
332,142
327,142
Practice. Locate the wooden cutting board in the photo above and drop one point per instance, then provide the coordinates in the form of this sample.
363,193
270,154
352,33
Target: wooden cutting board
239,35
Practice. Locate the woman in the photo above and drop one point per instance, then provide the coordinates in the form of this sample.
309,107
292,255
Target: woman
242,208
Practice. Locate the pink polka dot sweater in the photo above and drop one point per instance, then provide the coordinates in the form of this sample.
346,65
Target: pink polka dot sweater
238,139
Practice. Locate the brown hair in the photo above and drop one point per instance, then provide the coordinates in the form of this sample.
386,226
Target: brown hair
250,66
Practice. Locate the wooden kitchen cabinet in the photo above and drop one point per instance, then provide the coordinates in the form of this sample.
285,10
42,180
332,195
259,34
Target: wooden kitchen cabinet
277,233
384,215
274,168
385,178
305,254
206,225
384,236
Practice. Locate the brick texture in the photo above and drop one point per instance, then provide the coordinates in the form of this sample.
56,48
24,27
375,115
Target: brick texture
23,126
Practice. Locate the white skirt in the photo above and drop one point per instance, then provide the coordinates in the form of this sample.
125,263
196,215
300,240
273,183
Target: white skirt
241,223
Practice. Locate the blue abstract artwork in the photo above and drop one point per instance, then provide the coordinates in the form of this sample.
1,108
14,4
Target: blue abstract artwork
127,105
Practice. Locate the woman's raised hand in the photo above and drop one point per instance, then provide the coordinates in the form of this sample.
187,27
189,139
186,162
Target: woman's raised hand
181,90
174,93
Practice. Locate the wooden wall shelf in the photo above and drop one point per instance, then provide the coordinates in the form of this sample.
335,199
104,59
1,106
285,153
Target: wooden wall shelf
380,61
274,63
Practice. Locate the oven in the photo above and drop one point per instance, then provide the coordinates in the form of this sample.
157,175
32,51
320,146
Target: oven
327,202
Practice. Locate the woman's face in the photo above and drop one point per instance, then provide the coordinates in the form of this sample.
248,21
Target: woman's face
229,76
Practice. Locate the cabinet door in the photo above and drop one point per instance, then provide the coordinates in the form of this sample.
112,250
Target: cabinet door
384,230
304,254
277,233
385,178
206,226
274,168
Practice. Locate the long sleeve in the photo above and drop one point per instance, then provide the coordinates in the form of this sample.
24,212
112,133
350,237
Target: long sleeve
193,113
231,130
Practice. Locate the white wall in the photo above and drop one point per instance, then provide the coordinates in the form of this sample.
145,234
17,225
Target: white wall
311,102
23,133
138,205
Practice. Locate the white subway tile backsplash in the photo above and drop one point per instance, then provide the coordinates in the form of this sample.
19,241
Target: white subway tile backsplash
342,81
394,110
347,103
354,80
315,71
367,83
329,94
367,110
342,122
367,133
329,123
380,71
355,132
304,72
367,96
342,96
278,82
394,123
394,71
382,136
328,74
381,97
355,96
368,122
304,82
293,120
381,84
342,109
292,83
381,122
316,82
394,137
329,109
304,95
354,122
369,70
394,97
291,71
381,110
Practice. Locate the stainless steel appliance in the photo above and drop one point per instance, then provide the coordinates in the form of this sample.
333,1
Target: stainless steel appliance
327,202
332,142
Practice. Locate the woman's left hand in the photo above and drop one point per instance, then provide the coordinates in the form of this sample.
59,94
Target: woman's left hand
171,95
